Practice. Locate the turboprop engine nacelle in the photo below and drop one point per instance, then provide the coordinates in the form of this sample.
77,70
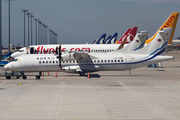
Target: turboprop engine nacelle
68,57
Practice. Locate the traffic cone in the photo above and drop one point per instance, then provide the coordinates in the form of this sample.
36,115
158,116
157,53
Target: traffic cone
56,74
88,75
48,73
42,74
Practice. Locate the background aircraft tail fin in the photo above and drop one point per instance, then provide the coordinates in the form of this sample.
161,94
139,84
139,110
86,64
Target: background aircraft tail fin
113,39
130,36
108,38
137,43
123,36
170,22
101,39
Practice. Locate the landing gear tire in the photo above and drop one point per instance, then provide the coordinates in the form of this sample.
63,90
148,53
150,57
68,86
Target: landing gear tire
8,77
81,73
37,77
17,77
24,77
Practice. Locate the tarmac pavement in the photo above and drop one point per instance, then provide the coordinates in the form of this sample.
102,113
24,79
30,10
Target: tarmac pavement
145,94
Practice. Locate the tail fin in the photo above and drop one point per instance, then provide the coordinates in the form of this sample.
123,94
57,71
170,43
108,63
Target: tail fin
101,39
130,36
158,45
94,41
113,39
123,36
170,22
107,40
137,43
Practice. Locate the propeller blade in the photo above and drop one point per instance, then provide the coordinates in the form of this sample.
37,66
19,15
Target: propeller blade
60,56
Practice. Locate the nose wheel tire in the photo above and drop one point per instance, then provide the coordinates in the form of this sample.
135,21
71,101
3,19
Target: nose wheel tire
17,77
8,77
37,77
24,77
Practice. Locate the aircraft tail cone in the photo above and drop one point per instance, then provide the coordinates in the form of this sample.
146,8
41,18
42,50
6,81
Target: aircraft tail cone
56,74
88,75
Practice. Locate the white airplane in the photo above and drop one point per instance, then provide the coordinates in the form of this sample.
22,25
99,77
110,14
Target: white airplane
91,48
81,62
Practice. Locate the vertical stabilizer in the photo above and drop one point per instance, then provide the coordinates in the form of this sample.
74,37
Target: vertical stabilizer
113,39
130,36
101,39
107,40
158,45
137,43
123,36
170,22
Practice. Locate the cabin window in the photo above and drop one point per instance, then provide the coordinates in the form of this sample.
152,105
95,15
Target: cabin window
77,61
53,61
49,61
84,61
108,60
107,50
94,60
63,62
101,60
73,61
97,60
80,61
91,50
118,60
40,62
66,61
121,60
43,61
69,61
104,60
111,60
46,61
56,61
87,61
114,60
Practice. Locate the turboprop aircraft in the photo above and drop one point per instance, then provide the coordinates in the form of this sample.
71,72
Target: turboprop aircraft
83,62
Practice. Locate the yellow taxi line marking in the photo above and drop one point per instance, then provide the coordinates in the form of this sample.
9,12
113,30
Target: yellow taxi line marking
19,84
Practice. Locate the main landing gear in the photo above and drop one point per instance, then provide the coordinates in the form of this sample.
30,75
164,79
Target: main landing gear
21,74
81,73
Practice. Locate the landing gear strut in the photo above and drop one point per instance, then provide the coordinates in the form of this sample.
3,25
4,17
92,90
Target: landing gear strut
81,73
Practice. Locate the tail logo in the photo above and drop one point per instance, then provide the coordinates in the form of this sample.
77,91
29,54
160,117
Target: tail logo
169,21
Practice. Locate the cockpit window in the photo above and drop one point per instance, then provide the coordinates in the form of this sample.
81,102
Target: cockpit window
17,60
21,50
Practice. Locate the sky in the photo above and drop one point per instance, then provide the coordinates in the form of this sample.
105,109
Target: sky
83,21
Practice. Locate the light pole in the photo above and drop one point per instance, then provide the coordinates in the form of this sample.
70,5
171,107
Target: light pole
39,31
0,32
9,28
28,27
31,28
24,26
46,33
36,32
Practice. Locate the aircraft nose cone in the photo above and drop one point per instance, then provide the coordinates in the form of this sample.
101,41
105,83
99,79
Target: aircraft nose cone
6,67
